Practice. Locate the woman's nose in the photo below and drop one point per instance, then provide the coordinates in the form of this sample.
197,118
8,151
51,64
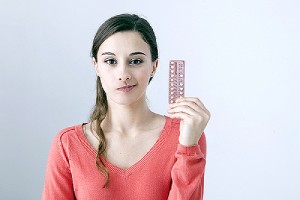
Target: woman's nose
124,75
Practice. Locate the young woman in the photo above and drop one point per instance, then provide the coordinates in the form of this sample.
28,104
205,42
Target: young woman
127,151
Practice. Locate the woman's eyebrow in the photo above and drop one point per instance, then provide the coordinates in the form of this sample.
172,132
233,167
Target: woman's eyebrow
136,53
132,54
108,53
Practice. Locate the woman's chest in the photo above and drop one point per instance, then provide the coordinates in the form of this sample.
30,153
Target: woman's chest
127,151
149,178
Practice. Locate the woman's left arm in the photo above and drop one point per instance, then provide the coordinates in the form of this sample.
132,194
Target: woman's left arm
188,171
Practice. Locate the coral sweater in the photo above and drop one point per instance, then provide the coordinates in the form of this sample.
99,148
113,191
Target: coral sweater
167,171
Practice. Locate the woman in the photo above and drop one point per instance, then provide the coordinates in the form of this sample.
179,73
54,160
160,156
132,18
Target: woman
127,151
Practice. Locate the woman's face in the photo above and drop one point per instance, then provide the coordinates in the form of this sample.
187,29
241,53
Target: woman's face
124,66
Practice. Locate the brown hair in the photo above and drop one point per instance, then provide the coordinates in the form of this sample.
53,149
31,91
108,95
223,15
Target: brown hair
118,23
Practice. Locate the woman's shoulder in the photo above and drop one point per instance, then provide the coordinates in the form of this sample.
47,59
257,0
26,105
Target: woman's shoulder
166,122
67,140
172,123
68,133
171,127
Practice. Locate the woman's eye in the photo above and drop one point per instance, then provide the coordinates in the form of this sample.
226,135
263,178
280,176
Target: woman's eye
135,61
110,61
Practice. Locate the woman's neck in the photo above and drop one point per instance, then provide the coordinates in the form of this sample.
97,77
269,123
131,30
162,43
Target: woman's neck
127,118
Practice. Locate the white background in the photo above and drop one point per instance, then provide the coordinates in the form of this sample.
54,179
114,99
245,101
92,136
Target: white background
242,61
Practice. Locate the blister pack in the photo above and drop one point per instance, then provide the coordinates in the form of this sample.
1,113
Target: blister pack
176,79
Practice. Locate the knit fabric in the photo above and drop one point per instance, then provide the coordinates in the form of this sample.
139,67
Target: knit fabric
167,171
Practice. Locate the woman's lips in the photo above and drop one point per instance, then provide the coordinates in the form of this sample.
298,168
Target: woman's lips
126,88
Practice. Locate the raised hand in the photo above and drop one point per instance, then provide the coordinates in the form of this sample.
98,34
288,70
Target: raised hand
194,118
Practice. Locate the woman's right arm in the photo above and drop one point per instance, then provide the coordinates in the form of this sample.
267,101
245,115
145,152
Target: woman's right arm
58,179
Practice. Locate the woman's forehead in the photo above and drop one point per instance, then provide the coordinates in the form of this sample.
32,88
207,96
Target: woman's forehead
121,42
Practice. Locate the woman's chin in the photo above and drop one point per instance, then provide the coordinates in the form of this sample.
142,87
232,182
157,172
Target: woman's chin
126,101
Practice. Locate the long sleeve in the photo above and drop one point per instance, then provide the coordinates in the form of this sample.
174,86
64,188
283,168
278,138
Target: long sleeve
58,179
188,172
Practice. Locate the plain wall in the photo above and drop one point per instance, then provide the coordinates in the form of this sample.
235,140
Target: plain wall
242,61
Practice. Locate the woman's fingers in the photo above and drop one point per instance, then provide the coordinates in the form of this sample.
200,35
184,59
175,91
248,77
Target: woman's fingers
185,109
194,118
189,105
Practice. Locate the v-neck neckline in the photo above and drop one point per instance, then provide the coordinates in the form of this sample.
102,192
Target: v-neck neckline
125,172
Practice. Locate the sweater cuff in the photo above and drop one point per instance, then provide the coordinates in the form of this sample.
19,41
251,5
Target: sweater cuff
189,150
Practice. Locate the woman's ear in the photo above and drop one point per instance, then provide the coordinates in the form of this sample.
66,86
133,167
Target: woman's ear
154,67
95,66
